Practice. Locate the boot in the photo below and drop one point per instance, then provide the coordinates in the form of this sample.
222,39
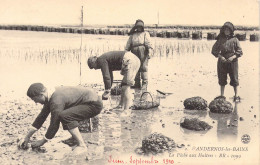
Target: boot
137,81
144,80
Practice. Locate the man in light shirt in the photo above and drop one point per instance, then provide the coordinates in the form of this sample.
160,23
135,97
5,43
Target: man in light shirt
127,63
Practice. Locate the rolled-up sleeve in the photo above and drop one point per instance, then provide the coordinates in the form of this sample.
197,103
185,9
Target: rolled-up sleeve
40,119
56,106
147,41
129,43
238,49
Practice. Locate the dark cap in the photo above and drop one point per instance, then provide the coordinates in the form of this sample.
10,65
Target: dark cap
35,89
91,61
229,25
139,22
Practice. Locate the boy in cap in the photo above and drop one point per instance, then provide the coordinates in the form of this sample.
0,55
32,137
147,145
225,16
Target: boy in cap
111,61
139,43
227,49
67,105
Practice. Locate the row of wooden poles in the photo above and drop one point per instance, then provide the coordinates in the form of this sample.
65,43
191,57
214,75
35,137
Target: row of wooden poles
196,35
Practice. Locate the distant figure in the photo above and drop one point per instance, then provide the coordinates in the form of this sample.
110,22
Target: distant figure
227,49
108,62
67,105
139,43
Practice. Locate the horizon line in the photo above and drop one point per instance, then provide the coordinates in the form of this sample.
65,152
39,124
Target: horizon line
155,25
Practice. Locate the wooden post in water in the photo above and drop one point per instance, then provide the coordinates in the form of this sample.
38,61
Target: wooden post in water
158,17
81,19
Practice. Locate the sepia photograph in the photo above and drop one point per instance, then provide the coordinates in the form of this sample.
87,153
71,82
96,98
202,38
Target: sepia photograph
140,82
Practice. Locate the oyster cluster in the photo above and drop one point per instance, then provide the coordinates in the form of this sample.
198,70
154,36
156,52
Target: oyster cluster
195,103
194,124
157,143
220,106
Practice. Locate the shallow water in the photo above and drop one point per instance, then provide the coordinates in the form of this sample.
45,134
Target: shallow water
182,72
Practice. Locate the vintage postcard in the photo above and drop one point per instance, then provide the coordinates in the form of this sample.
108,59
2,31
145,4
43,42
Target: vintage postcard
141,82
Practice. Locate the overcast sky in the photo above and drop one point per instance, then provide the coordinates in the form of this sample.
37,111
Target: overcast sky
187,12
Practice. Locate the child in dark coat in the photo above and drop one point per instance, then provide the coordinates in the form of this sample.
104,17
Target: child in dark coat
227,49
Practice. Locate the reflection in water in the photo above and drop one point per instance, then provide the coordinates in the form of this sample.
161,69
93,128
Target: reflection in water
141,125
125,134
121,134
200,113
227,125
193,114
111,130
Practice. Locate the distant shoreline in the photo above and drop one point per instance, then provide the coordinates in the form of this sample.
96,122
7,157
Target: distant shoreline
181,32
128,26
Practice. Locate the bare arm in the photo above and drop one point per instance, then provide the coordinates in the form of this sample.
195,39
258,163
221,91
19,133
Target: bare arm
30,133
23,143
35,126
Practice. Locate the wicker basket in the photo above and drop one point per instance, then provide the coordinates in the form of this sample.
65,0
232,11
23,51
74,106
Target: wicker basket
143,104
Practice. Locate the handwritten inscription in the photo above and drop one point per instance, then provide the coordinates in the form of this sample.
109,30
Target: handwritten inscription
139,161
115,161
143,161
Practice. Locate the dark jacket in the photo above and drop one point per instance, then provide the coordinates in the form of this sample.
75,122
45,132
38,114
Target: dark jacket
227,46
109,62
63,98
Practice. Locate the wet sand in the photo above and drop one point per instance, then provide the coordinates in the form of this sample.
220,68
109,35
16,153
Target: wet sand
184,75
